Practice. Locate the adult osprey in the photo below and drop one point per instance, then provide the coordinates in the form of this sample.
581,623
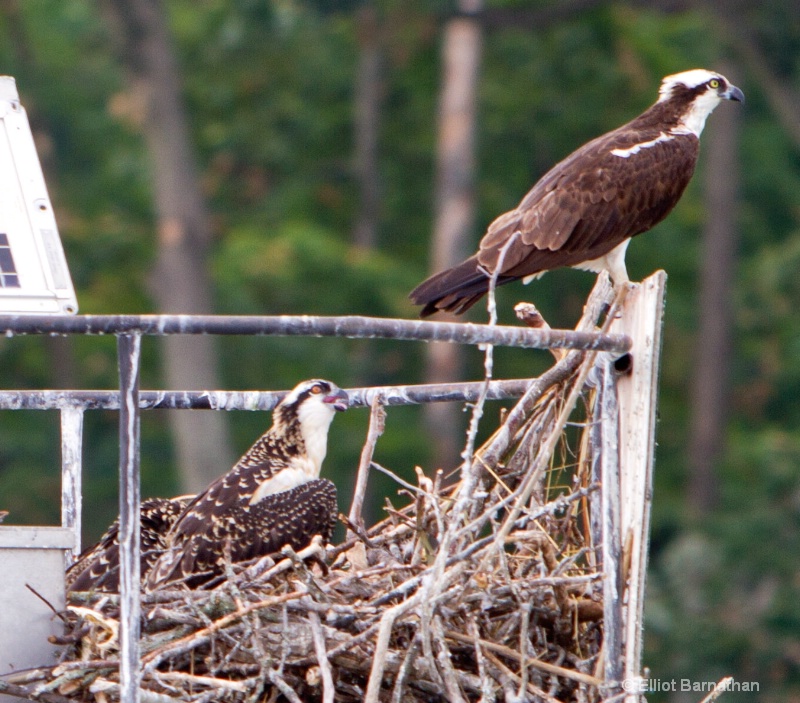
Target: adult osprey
584,211
273,496
97,568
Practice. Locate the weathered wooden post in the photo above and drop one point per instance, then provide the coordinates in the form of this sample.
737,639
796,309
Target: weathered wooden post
628,496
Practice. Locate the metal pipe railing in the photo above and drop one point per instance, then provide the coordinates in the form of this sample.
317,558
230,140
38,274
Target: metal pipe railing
352,326
415,394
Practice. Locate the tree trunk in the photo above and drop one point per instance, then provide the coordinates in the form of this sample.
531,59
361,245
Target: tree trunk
180,281
455,206
367,124
709,393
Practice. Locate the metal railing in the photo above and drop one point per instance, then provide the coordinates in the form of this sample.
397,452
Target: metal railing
130,400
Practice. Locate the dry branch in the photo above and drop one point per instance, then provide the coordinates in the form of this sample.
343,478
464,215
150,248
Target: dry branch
377,420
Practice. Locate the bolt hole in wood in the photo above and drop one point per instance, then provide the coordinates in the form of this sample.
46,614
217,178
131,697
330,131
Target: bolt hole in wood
623,366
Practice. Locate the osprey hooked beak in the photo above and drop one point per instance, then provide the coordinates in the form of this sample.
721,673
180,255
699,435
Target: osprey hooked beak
733,93
338,399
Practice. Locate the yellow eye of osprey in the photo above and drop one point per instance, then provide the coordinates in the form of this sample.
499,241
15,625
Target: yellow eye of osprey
714,83
316,390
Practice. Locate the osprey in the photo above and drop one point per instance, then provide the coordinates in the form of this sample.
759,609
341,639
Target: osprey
584,211
97,568
273,496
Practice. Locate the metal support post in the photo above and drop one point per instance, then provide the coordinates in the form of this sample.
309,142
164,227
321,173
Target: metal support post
128,349
71,455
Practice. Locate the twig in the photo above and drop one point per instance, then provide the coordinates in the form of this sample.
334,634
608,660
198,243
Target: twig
534,690
487,690
498,445
405,484
720,687
328,689
185,644
528,661
355,532
525,619
209,681
284,638
445,663
545,452
45,601
377,423
382,645
502,438
283,687
468,475
101,687
22,692
529,315
58,669
315,549
402,673
264,659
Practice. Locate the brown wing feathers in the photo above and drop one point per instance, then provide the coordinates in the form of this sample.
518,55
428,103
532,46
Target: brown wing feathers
245,532
609,190
97,568
567,220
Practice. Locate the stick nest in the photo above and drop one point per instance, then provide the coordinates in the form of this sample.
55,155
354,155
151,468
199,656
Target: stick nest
483,587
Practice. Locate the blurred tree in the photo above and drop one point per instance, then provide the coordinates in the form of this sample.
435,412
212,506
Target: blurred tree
180,281
455,206
710,392
366,123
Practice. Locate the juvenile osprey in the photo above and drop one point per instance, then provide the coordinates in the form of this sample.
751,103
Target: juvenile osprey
97,568
273,496
584,211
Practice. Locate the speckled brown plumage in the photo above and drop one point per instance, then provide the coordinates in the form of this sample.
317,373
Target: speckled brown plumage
245,532
97,568
271,497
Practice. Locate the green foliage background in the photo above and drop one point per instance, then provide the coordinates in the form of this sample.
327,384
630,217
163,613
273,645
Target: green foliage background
269,89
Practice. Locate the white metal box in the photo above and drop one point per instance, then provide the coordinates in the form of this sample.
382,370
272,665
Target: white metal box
34,277
30,556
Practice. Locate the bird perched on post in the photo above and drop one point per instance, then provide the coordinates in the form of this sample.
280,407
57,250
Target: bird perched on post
97,568
583,212
273,496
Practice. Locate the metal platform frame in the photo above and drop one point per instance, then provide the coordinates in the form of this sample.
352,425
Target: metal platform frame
637,331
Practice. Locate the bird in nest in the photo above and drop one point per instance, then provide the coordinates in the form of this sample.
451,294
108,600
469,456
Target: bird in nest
272,497
584,211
